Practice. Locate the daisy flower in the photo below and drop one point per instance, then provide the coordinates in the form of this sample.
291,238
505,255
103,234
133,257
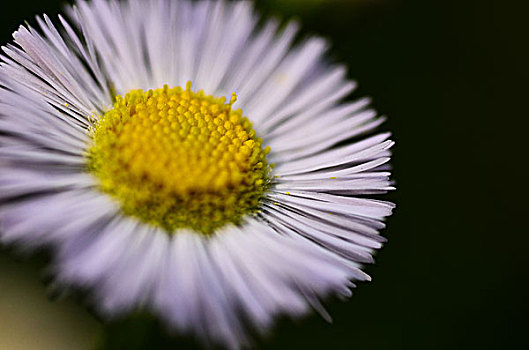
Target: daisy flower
180,158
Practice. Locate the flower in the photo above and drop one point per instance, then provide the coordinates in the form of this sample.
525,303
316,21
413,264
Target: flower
119,149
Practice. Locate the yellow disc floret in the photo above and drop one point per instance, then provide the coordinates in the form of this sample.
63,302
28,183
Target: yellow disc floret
179,159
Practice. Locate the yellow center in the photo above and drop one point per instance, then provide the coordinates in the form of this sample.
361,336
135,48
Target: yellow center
179,159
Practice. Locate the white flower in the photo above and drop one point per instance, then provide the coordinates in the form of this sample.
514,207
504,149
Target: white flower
66,182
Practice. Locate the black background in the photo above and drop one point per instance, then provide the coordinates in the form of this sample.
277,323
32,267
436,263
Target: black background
452,76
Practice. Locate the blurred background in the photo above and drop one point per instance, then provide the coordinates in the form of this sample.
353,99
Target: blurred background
452,78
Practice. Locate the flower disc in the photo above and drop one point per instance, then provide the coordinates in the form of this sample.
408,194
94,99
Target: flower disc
176,158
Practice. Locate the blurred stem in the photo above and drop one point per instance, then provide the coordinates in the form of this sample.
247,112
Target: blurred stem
140,331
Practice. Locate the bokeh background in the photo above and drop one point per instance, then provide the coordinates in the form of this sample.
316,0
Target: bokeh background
452,77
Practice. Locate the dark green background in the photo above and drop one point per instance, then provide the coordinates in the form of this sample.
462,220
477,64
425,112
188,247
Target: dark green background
452,76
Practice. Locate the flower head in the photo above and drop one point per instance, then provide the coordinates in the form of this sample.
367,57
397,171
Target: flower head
180,158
